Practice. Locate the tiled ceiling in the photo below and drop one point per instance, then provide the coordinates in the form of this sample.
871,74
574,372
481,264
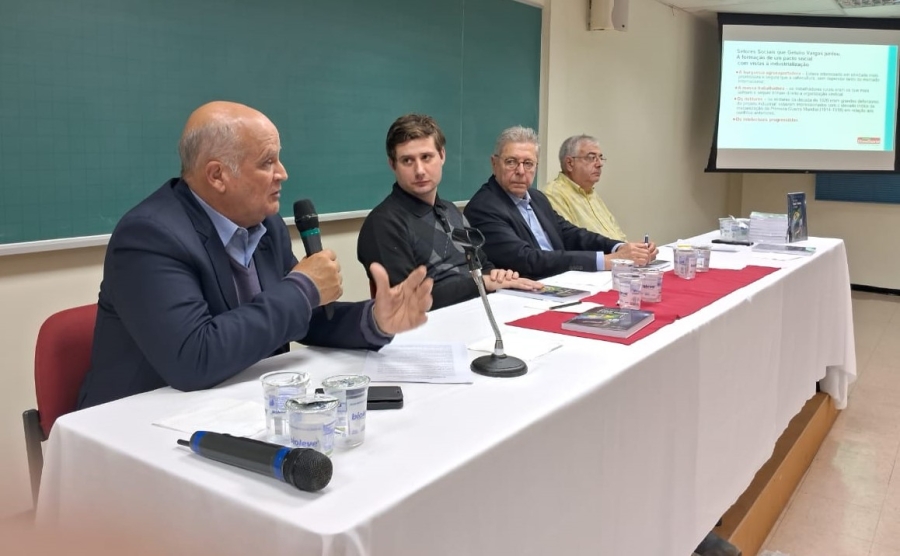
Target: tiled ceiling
852,8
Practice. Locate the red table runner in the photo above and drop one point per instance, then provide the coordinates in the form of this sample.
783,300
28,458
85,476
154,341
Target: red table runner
680,299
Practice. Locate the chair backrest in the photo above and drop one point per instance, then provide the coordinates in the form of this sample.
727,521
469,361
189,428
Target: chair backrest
62,357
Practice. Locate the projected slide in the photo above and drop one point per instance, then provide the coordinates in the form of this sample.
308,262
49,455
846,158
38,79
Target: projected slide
789,95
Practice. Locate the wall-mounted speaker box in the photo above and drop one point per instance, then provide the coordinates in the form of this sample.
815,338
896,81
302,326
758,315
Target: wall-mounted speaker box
608,15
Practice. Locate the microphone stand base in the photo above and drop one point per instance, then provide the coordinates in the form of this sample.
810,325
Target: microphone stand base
503,366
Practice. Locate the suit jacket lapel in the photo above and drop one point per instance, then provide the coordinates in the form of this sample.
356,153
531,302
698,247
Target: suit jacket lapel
218,258
548,225
512,209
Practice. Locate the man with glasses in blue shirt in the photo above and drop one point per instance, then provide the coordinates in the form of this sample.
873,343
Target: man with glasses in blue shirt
523,232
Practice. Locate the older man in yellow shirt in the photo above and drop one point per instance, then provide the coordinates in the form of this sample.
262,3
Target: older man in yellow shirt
572,193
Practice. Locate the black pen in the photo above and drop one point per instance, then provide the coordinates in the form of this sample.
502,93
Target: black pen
572,304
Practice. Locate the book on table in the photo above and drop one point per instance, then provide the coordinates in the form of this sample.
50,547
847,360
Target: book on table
609,321
797,225
550,293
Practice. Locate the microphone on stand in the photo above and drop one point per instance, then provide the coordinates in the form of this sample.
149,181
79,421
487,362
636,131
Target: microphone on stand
498,363
307,222
303,468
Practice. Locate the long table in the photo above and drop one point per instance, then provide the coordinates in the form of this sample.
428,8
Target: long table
600,449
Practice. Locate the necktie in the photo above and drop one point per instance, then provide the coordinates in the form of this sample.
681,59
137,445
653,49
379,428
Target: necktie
246,281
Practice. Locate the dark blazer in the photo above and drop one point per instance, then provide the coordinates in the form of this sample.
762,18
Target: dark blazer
510,244
168,312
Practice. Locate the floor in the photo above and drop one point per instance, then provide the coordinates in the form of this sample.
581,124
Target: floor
848,504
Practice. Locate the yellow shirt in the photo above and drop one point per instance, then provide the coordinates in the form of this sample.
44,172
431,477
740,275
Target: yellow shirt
585,210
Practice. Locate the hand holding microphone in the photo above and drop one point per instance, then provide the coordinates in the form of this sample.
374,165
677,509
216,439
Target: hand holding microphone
324,269
325,272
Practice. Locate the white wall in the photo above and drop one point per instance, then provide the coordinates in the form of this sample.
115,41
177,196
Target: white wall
867,229
643,93
649,96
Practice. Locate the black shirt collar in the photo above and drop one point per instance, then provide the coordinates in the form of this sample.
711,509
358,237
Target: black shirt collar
413,204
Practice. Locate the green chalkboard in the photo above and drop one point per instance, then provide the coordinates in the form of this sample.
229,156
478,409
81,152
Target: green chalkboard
94,93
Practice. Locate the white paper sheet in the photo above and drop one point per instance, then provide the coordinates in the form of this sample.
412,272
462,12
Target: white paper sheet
524,347
436,363
728,261
592,281
774,256
235,417
724,248
661,264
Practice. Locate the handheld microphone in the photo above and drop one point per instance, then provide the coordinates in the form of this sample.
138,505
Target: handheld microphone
303,468
307,222
497,364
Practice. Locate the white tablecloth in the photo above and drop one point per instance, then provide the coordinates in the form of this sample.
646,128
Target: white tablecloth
600,449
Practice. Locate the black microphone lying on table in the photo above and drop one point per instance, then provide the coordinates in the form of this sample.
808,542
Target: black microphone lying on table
498,363
307,222
303,468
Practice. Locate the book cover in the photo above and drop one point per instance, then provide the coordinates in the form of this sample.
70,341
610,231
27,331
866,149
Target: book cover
797,230
550,293
609,321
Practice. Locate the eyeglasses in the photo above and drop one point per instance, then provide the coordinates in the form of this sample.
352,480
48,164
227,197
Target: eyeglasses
513,163
592,157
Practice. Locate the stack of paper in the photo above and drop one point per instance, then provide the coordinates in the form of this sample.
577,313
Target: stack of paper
767,227
443,363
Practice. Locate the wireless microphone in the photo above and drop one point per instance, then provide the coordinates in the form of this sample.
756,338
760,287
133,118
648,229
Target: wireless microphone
307,222
303,468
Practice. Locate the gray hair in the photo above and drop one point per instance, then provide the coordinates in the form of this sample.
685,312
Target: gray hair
570,147
219,138
517,134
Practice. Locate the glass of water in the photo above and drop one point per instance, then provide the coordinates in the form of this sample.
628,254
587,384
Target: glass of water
630,287
685,263
703,253
311,420
278,388
352,391
651,289
618,267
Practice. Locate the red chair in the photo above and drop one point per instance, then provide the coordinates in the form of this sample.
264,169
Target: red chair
62,357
